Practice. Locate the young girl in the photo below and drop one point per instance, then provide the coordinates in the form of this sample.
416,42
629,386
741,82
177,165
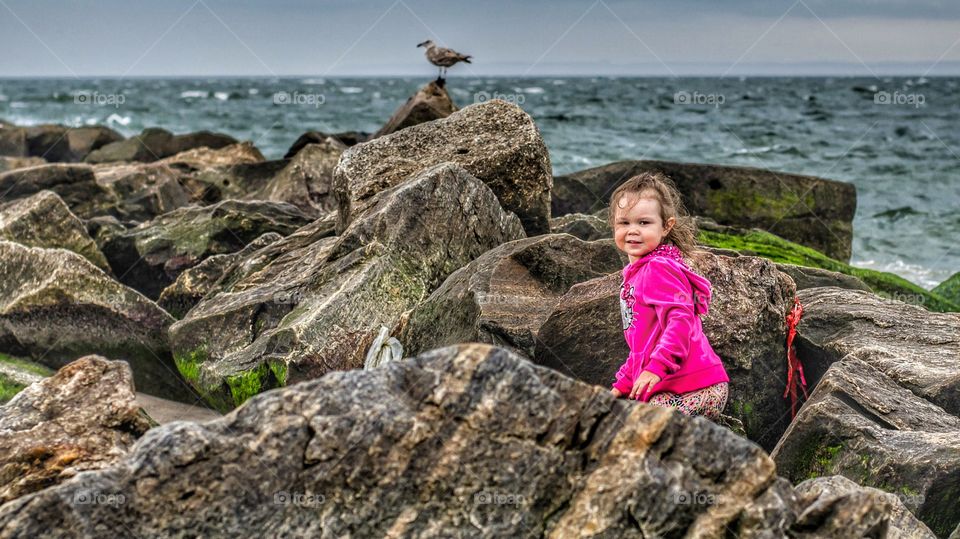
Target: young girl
671,363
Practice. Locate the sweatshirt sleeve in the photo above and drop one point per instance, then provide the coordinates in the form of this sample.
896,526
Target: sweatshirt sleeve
669,292
624,382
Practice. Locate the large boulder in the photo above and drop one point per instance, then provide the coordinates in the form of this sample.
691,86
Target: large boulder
234,171
583,336
75,184
307,180
56,306
808,210
860,424
54,143
85,417
48,141
347,138
586,227
152,255
196,282
11,163
505,295
13,141
462,441
495,141
850,510
83,140
154,144
917,349
431,102
139,192
319,306
44,220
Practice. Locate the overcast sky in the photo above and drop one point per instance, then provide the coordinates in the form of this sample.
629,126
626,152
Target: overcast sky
133,38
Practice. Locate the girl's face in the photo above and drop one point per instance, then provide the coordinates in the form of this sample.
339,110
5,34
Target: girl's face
638,228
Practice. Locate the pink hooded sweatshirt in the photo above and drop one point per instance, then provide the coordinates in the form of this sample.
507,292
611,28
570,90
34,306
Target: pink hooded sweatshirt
661,300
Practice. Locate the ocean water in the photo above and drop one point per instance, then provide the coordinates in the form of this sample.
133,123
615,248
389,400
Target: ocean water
896,139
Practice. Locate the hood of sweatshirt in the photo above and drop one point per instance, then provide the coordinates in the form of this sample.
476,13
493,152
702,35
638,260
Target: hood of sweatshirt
701,286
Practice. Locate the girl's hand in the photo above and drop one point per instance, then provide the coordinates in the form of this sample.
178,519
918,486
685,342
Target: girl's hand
644,382
616,393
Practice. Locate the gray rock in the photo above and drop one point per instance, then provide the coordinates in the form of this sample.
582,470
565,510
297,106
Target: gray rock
583,337
154,144
806,277
56,306
468,441
13,141
48,141
431,102
297,314
495,141
234,171
12,163
836,494
75,184
152,255
139,192
194,283
347,138
860,424
504,296
82,418
43,220
585,227
307,180
916,348
811,211
83,140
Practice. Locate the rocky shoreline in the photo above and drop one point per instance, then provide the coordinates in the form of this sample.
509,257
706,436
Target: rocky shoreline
191,268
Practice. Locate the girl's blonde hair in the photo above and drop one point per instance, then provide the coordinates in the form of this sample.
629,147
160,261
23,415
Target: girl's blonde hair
684,231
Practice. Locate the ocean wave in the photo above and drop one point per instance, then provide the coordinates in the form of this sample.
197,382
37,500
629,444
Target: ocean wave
782,149
222,96
351,89
116,119
194,94
314,81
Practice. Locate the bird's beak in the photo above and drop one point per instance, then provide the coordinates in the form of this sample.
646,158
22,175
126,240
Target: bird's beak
421,44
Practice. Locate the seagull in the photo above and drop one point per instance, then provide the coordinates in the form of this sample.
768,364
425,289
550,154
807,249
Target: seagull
442,57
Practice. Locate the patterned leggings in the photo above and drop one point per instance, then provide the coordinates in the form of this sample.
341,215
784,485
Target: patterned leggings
707,402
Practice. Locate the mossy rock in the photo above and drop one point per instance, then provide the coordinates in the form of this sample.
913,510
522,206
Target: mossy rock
766,245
